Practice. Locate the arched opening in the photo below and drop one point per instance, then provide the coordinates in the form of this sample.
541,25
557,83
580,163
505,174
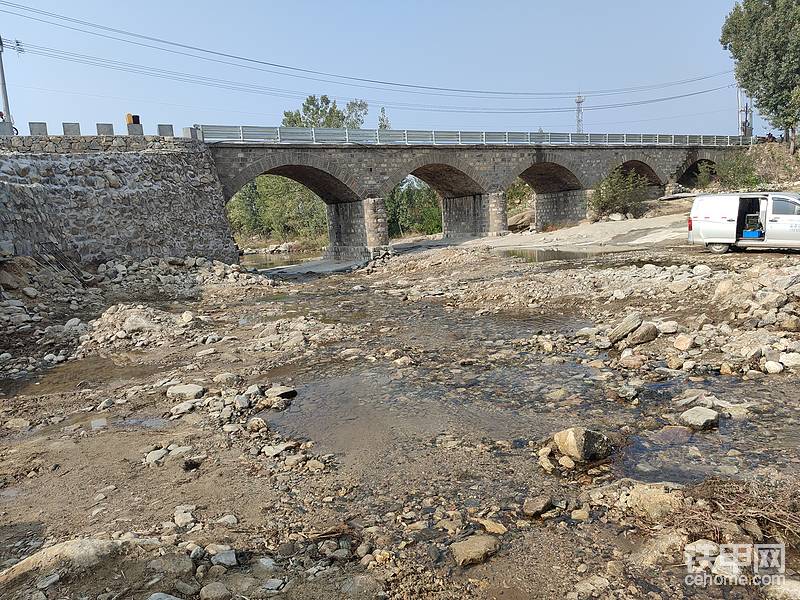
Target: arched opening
543,197
435,198
699,174
290,212
548,177
642,169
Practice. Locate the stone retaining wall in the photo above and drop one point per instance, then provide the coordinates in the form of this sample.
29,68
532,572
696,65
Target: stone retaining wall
99,197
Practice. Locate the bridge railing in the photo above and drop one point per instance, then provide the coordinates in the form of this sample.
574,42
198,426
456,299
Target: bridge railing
325,135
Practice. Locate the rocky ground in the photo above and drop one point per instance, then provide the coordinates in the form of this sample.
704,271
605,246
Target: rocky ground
449,423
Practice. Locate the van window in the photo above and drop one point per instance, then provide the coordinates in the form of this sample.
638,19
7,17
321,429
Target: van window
785,207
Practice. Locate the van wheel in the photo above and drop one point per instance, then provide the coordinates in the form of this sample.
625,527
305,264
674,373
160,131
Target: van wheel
719,248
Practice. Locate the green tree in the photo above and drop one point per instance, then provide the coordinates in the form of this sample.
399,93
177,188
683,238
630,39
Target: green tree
383,120
324,112
413,207
763,37
243,210
518,197
620,192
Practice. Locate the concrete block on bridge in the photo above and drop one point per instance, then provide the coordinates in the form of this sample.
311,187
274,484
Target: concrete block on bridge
166,130
71,128
105,129
37,128
135,129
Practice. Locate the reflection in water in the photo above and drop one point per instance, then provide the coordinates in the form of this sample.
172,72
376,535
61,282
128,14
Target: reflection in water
269,261
537,255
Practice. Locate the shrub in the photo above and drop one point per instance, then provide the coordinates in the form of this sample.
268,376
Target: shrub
706,174
738,170
620,192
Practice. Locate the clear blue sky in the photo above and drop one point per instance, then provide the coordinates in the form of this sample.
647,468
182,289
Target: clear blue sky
507,45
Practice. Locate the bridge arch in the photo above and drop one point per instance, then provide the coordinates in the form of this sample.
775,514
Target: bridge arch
643,169
547,172
688,171
449,176
326,179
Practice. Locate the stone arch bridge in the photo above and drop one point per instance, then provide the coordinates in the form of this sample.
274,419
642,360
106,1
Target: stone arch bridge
471,179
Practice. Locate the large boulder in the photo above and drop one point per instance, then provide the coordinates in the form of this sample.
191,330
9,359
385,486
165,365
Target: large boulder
627,326
646,332
520,221
582,444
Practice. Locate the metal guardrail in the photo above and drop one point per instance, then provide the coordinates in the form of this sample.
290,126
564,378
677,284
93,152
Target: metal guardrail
324,135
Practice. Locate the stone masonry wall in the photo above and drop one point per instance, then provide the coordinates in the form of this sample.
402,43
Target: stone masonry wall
559,208
464,217
102,197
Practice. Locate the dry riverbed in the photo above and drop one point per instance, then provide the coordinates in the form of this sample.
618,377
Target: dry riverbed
449,423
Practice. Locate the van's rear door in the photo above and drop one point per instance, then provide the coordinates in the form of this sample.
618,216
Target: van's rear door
714,219
783,221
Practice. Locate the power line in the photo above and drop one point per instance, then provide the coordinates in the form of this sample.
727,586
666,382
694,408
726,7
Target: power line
406,87
277,92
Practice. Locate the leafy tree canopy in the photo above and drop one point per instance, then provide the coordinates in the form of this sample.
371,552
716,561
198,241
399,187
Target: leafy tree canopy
763,37
324,112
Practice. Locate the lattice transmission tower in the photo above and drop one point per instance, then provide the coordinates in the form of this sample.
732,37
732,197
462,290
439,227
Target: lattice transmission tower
579,113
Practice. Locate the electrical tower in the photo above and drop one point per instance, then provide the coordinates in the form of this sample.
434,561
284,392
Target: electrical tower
579,113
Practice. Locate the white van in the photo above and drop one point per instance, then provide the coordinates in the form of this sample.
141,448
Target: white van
755,220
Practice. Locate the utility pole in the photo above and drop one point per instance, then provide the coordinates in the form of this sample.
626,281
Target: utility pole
579,113
3,88
745,113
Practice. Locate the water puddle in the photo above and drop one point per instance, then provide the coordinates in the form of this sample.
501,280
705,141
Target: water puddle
540,255
270,261
83,373
767,437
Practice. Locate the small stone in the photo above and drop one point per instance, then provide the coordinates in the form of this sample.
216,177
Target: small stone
17,423
187,391
773,367
534,507
579,514
155,456
668,327
700,418
214,591
566,462
582,444
30,292
226,378
45,582
475,549
683,342
229,520
226,559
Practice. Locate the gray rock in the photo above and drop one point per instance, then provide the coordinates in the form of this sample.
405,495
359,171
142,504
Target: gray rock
214,591
155,456
646,332
187,391
226,558
162,596
534,507
700,418
628,324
